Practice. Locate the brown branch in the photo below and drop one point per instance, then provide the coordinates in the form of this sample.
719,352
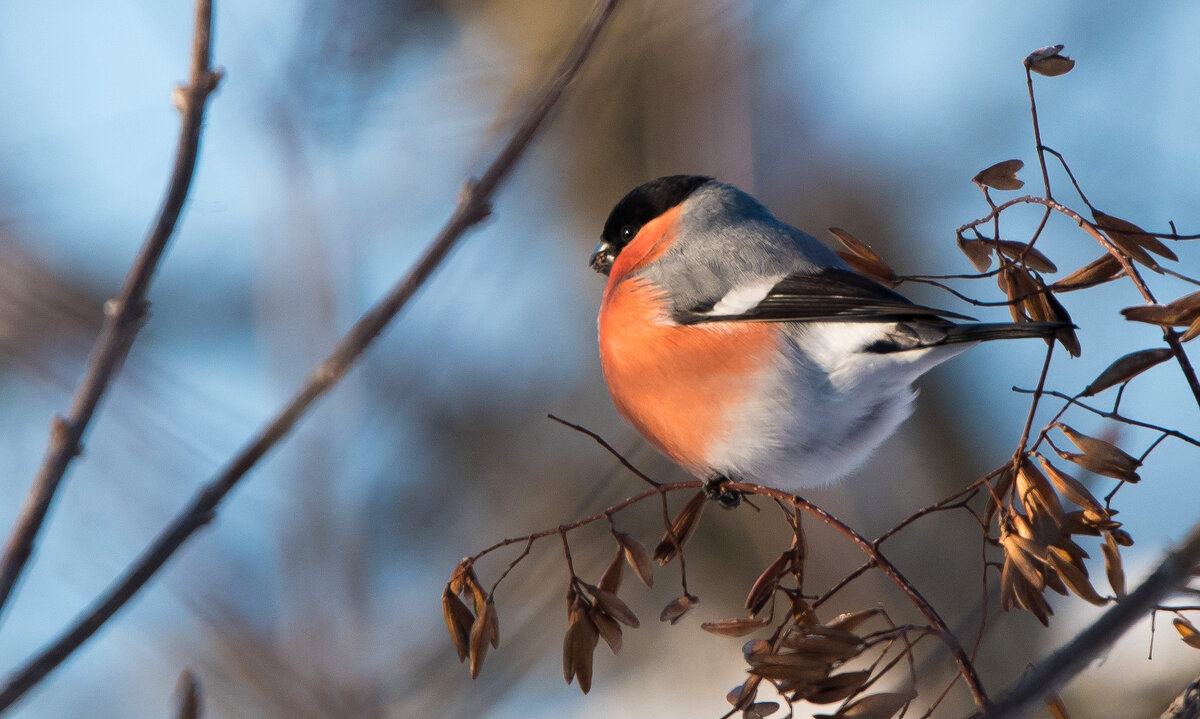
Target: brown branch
1186,705
473,207
1057,669
123,315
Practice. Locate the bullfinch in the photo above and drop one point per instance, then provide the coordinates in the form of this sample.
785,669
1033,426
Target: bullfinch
746,350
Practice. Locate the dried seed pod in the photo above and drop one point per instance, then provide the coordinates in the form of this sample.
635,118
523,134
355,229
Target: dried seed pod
1065,334
1126,368
578,645
1100,456
638,558
863,259
837,687
682,527
1075,576
1004,483
1048,62
1054,703
1105,268
1075,523
608,628
760,710
1036,493
764,586
1026,557
610,581
978,252
1132,240
1020,287
1187,630
1133,234
825,649
1192,332
734,626
678,607
482,632
1026,254
851,620
744,694
458,579
1121,537
613,606
788,667
1160,315
459,621
874,706
1069,487
1112,565
1001,176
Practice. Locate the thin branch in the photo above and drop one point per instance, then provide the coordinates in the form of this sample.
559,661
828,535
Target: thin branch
473,207
1057,669
123,315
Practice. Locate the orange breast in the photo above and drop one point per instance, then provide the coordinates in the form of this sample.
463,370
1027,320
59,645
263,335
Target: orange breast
677,385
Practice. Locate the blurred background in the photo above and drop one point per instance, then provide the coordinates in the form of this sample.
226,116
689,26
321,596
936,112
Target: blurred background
332,153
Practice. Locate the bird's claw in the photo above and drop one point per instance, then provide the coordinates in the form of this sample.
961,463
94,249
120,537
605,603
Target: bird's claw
717,489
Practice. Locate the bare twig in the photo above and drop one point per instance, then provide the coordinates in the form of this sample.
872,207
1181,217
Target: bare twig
123,315
473,207
1057,669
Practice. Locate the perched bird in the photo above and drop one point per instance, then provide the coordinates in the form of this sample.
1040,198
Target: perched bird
745,350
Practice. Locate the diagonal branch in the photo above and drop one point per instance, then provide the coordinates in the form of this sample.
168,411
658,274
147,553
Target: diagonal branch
1057,669
123,315
473,207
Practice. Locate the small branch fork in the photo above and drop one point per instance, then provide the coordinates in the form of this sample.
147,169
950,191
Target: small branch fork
473,207
123,315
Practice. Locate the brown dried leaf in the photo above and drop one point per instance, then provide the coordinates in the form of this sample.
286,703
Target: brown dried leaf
459,621
837,687
608,628
851,620
978,252
614,607
863,259
610,581
1126,368
1001,176
1048,62
638,558
578,645
678,607
1054,703
1188,631
1100,270
734,626
875,706
1030,256
1100,456
766,583
1112,565
682,527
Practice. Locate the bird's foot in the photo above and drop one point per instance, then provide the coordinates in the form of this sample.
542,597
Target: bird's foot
716,488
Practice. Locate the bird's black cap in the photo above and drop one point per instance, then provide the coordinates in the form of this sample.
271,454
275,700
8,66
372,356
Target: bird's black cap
639,206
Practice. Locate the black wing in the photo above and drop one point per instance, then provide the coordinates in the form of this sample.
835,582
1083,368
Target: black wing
832,295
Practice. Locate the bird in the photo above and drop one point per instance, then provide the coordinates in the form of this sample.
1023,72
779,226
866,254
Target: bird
746,351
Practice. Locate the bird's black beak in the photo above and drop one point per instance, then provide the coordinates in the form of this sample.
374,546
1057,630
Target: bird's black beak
603,257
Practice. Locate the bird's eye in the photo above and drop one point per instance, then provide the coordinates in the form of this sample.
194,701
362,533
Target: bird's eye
628,232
